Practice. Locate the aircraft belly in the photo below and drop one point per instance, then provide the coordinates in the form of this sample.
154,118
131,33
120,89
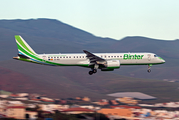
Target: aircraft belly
67,61
72,62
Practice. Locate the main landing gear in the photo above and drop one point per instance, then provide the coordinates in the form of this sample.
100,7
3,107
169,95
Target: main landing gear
149,70
94,70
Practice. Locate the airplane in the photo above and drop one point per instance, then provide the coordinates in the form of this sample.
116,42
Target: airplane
102,61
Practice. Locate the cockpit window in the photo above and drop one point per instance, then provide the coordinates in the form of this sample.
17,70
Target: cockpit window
156,56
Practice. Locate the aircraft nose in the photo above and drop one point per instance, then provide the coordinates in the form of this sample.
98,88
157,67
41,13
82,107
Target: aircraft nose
163,61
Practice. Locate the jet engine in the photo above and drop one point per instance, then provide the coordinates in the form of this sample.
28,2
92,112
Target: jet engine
110,65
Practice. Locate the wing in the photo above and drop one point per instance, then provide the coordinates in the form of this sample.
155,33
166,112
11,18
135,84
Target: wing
93,58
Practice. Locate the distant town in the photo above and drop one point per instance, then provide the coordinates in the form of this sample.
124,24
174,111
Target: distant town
38,107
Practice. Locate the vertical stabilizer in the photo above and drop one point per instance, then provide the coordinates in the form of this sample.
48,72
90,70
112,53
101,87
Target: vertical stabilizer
23,47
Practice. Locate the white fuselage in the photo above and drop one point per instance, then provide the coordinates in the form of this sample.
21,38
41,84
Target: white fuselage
103,61
124,58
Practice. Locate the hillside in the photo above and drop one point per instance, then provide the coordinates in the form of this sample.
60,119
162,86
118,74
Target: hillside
52,36
45,32
64,82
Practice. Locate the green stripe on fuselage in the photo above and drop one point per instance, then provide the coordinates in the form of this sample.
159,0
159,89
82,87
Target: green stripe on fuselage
41,60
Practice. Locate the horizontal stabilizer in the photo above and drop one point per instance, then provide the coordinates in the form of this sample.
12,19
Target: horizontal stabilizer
23,56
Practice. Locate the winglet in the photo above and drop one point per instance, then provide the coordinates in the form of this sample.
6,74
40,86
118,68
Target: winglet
85,51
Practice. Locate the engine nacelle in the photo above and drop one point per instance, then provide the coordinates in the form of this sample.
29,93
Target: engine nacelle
113,64
110,65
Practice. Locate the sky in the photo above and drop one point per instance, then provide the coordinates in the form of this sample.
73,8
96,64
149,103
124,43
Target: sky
115,19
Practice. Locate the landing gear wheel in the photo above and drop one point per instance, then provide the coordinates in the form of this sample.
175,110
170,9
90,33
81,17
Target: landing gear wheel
149,70
90,72
94,71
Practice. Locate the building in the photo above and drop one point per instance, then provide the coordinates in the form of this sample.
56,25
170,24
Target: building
31,114
128,100
126,106
116,112
17,112
86,99
77,111
52,107
23,94
15,103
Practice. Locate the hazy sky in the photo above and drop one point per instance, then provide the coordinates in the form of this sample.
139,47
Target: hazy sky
106,18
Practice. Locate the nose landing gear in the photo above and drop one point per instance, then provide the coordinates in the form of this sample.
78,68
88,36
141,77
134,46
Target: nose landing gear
149,70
